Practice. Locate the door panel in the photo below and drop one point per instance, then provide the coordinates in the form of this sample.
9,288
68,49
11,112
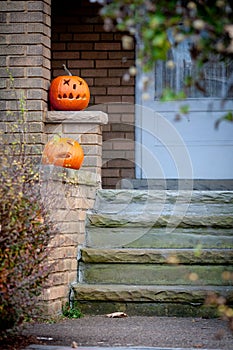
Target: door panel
190,147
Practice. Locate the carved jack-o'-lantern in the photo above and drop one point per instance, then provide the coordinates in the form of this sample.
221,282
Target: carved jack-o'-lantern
64,152
68,93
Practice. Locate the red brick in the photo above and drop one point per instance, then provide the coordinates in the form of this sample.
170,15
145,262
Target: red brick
81,63
128,173
98,90
86,37
108,64
107,99
127,82
121,54
106,36
117,72
94,55
95,72
65,55
58,46
111,172
120,90
79,46
80,28
66,37
120,163
107,46
107,81
128,99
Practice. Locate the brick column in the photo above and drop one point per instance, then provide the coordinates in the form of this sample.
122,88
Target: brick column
25,52
68,194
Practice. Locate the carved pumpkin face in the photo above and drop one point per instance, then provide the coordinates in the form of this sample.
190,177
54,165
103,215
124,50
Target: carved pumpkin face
64,152
69,93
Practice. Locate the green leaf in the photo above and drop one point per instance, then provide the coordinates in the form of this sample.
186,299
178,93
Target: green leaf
227,117
184,109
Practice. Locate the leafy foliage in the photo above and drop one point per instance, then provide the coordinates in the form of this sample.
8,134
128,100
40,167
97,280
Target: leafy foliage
207,23
159,25
71,312
25,228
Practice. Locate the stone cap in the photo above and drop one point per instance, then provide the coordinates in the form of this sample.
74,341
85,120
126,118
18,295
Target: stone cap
77,177
80,117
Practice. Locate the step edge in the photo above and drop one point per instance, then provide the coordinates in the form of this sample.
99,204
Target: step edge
140,293
156,256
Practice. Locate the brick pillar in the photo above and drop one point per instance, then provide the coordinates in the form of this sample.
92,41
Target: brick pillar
25,52
83,126
68,194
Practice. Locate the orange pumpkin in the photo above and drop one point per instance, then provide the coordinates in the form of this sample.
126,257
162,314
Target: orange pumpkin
68,93
64,152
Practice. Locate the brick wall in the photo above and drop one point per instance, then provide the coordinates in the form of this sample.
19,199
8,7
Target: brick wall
68,195
79,41
25,51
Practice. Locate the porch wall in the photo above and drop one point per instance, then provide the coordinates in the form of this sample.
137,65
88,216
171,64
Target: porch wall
80,41
68,194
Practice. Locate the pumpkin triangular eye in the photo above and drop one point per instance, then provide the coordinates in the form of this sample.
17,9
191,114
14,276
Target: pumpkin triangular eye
66,82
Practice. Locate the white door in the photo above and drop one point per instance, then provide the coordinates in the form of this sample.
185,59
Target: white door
189,148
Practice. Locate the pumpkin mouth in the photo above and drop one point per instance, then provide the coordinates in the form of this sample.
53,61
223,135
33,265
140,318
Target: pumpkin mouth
71,97
64,155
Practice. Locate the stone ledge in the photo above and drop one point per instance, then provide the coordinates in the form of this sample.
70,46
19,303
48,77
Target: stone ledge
76,177
135,196
156,256
147,293
78,117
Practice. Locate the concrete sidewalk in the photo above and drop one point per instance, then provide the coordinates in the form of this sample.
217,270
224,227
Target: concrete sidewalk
52,347
133,332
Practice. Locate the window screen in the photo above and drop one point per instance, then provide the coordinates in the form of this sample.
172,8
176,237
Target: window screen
216,81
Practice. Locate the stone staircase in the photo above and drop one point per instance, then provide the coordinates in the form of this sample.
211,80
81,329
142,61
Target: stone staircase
156,253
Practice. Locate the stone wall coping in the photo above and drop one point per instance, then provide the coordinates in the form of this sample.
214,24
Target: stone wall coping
80,117
76,177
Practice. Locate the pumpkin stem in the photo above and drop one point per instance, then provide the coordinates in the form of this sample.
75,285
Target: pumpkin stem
66,70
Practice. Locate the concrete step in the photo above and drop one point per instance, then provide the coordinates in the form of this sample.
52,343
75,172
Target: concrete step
196,216
156,267
150,274
197,256
156,252
151,237
175,184
161,219
106,198
148,300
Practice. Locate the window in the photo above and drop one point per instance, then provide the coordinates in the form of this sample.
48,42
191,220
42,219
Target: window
217,77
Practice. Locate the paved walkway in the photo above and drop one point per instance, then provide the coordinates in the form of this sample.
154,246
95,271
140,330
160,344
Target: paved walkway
52,347
134,332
